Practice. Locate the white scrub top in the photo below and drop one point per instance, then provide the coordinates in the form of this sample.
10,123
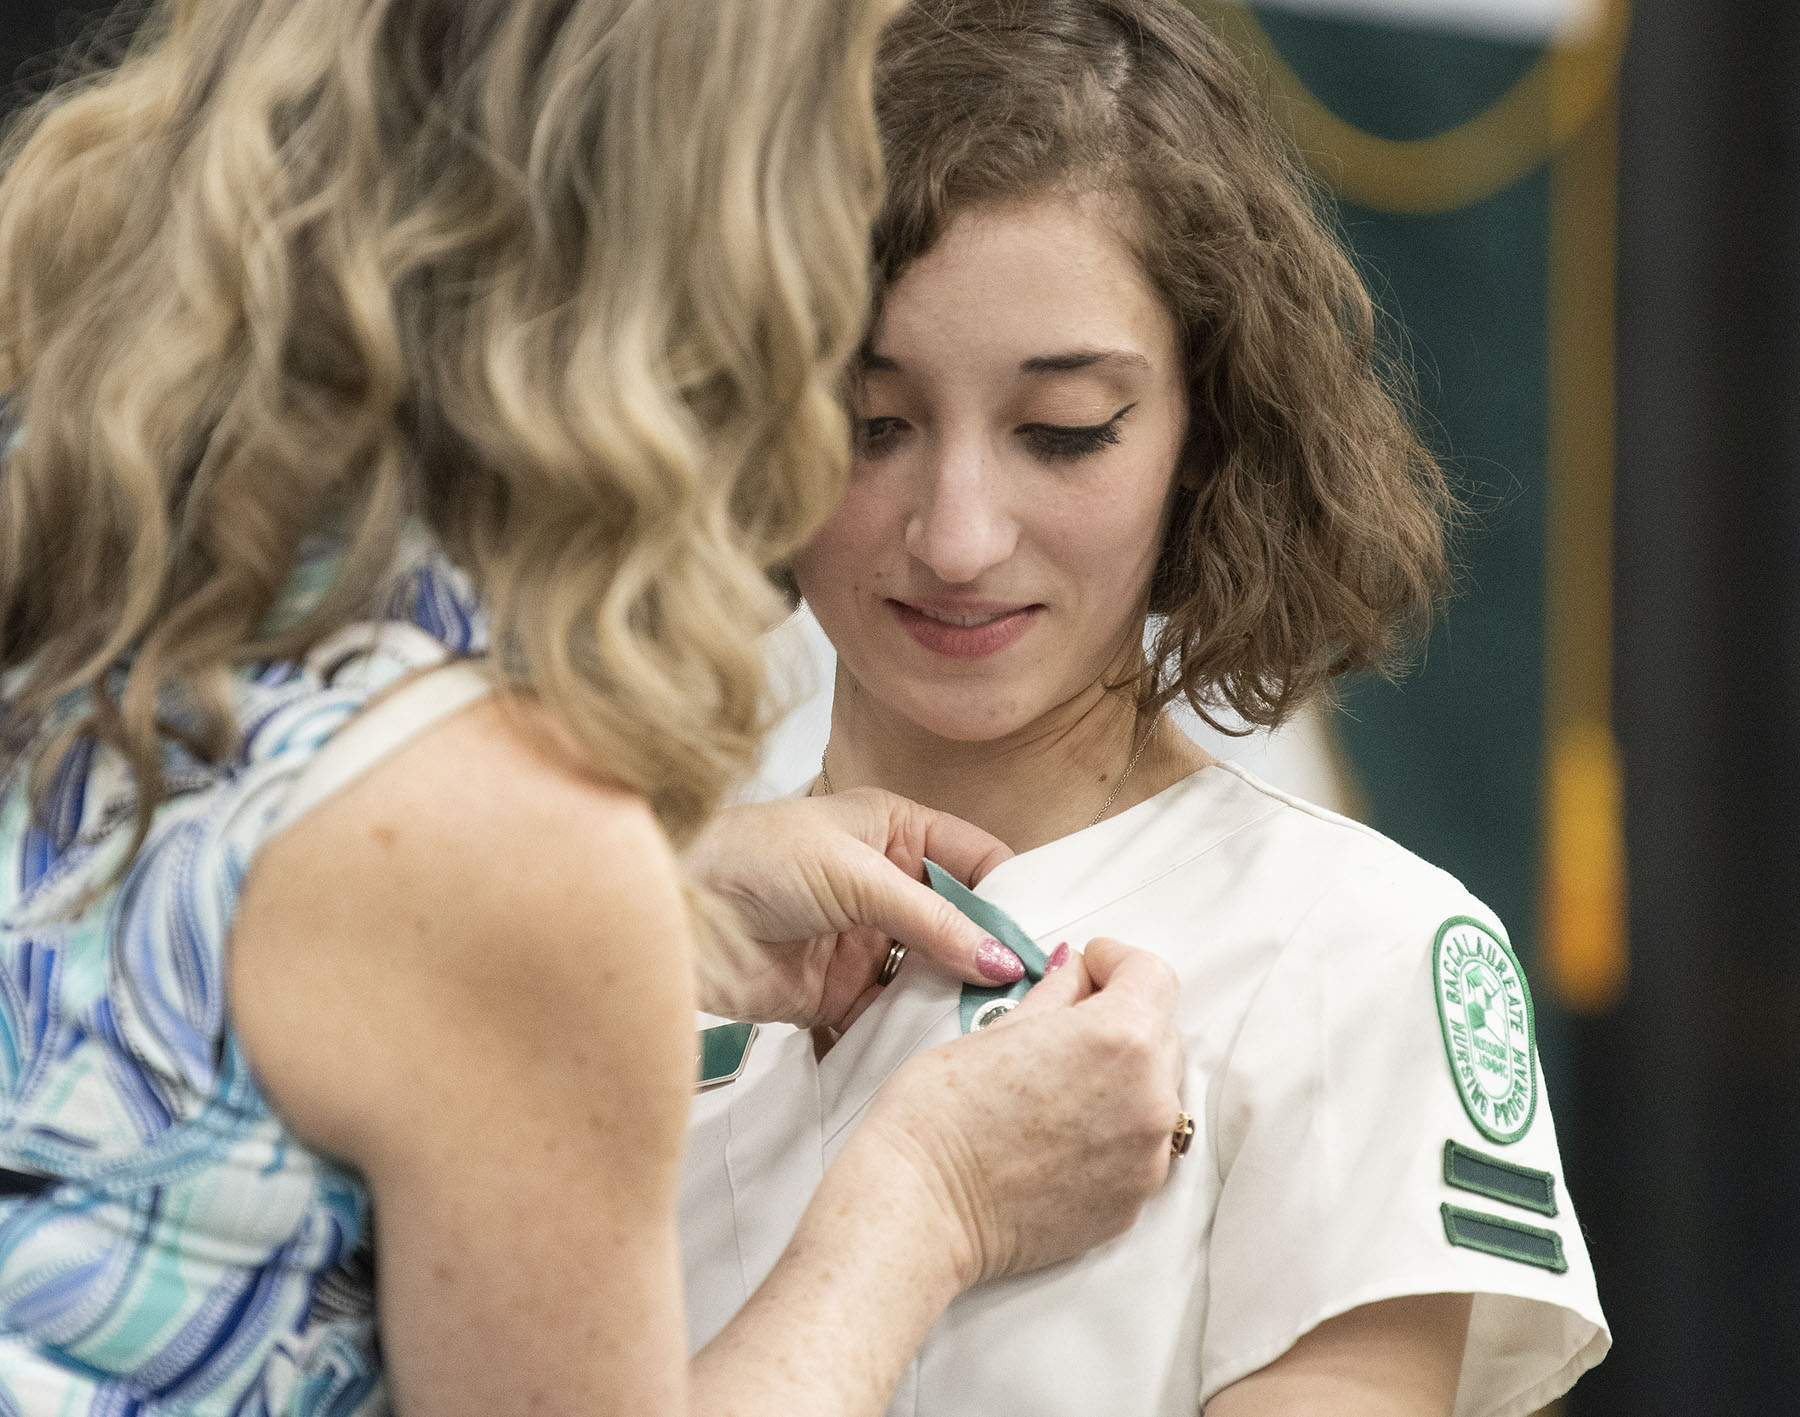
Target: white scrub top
1371,1123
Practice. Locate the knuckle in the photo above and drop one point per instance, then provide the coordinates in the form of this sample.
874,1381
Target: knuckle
1111,1045
1136,1048
1129,1061
1157,982
944,917
879,802
1166,977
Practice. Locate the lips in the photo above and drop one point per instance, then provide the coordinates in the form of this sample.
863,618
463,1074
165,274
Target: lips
965,631
966,622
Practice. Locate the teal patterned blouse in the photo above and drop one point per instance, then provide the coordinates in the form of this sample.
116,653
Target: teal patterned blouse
166,1245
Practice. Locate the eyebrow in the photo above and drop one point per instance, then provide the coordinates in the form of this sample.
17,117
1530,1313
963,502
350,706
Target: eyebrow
1067,363
1082,359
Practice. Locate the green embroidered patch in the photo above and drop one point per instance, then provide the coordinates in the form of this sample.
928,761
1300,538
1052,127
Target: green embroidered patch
1484,1008
1003,928
723,1052
1470,1170
1508,1239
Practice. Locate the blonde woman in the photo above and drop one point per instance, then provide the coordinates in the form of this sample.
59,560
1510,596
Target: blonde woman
406,398
1123,389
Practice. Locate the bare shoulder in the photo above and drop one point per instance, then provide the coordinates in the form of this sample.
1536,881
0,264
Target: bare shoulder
469,917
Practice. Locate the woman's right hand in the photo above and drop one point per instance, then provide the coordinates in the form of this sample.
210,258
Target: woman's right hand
1043,1135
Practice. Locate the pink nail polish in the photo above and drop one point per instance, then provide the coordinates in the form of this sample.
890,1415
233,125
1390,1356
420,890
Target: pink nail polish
1058,958
998,963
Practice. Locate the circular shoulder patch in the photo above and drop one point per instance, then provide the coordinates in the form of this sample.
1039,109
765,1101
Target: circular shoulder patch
1484,1007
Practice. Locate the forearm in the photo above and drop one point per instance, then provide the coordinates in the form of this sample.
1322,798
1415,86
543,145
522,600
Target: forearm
832,1328
1392,1358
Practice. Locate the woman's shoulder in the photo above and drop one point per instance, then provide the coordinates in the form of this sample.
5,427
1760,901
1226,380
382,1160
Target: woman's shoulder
474,886
487,817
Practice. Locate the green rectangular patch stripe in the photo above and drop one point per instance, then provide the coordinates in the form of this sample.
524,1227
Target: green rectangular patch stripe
1509,1239
723,1051
1470,1170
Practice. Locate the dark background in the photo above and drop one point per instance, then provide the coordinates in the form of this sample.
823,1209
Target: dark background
1680,1118
1685,1134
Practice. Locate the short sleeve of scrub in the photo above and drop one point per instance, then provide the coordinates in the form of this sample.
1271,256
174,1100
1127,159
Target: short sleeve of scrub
1382,1130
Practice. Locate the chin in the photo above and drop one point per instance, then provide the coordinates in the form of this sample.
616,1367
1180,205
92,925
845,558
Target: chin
957,716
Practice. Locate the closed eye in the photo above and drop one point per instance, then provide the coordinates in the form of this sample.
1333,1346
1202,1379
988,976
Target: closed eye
1057,442
875,436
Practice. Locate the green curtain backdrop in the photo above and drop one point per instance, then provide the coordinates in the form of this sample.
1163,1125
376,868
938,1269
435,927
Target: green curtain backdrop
1448,760
1676,1078
1449,141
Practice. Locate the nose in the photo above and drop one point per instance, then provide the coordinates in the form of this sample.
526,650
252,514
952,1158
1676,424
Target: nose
960,526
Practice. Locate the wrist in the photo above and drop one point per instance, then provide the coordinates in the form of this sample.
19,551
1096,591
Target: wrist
928,1212
875,1262
723,953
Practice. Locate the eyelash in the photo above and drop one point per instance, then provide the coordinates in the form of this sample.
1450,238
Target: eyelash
874,434
1050,441
1055,443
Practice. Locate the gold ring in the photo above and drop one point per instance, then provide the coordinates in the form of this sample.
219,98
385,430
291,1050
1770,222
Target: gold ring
1183,1136
891,965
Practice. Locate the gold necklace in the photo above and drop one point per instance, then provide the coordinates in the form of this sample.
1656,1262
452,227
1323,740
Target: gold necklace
825,789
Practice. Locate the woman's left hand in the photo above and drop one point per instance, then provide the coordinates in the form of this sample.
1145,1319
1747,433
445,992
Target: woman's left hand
821,886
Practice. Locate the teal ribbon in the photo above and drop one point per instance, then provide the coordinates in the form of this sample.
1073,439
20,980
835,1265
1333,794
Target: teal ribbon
722,1053
1002,927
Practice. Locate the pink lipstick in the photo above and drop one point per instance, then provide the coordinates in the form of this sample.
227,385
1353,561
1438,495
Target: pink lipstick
965,629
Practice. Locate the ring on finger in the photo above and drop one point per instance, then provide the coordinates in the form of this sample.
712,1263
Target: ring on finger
1183,1136
890,966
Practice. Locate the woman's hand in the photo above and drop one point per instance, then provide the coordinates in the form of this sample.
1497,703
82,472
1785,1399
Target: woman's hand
821,886
1044,1135
1015,1147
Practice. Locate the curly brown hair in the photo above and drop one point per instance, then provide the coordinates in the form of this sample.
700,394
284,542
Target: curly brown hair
1308,531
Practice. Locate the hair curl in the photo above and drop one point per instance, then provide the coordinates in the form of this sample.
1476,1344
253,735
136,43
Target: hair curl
572,280
1308,529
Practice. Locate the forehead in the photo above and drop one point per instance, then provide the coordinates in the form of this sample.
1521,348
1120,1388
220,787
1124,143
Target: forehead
1009,283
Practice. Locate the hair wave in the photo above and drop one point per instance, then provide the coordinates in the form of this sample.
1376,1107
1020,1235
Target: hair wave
572,280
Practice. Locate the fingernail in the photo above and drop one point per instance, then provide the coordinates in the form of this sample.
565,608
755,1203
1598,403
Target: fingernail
998,963
1058,958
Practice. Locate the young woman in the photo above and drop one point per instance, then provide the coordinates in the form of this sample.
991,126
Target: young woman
1123,386
406,400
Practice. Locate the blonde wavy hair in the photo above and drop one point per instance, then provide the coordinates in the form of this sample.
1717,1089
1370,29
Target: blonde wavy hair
573,281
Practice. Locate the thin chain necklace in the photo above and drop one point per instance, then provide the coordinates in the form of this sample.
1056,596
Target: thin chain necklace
825,788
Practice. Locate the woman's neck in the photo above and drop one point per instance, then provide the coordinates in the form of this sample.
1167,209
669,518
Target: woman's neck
1047,780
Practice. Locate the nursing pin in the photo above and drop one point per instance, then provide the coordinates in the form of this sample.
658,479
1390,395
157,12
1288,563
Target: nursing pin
722,1054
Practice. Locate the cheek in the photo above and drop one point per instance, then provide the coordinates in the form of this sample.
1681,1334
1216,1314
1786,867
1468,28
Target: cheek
1109,541
852,547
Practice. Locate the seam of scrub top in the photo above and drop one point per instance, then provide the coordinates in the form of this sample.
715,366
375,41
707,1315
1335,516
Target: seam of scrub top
868,1086
1099,831
1047,899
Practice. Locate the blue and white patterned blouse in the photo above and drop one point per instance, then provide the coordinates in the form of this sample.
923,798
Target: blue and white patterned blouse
166,1245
